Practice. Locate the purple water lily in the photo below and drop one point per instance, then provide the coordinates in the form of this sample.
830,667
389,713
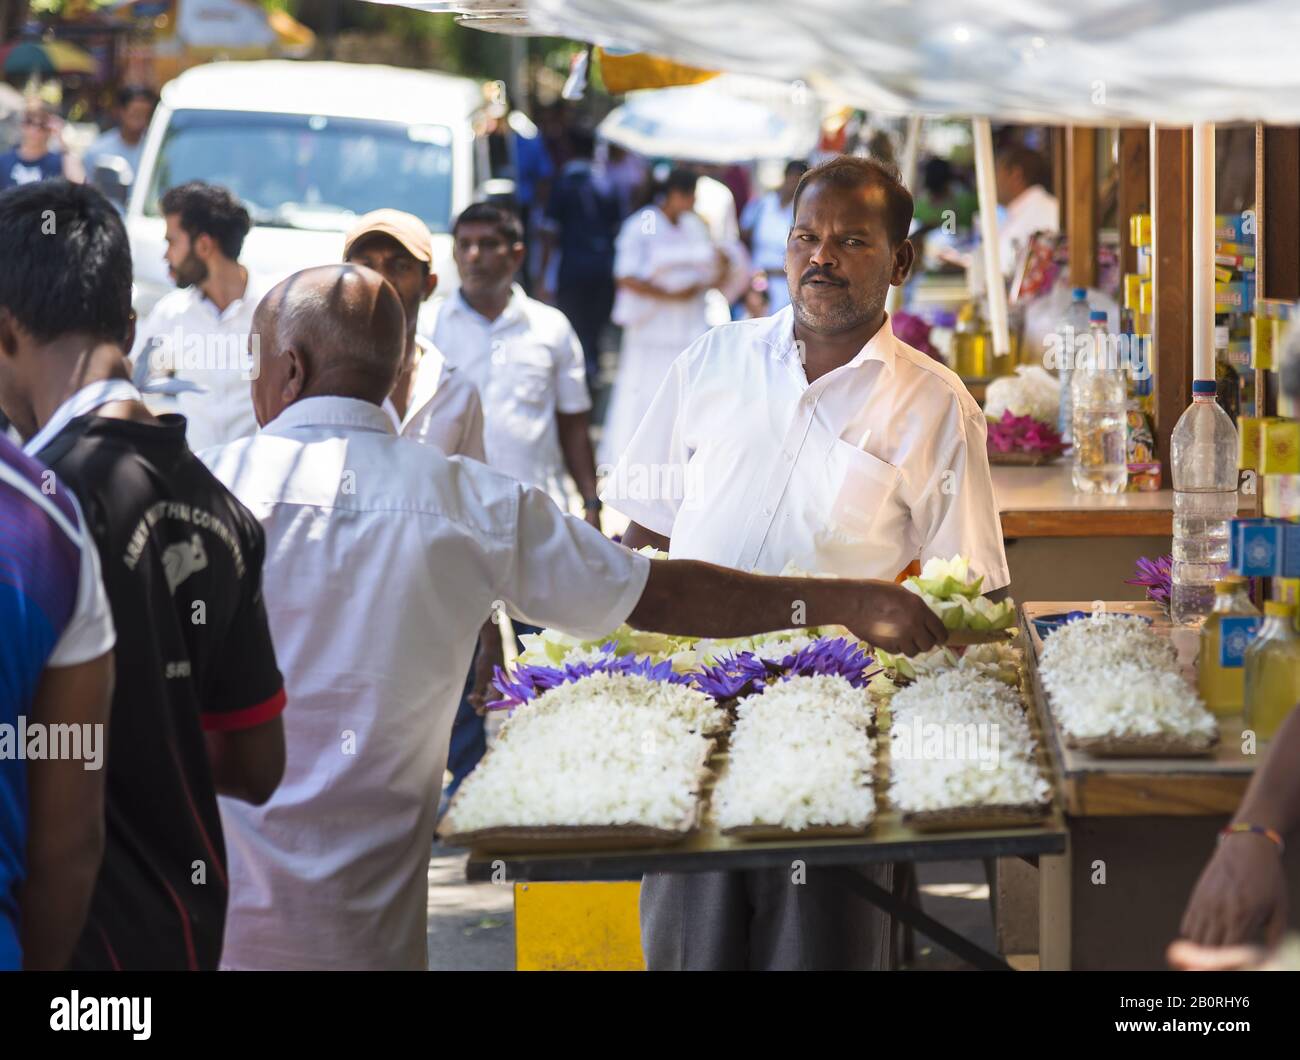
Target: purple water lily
529,682
745,673
1156,575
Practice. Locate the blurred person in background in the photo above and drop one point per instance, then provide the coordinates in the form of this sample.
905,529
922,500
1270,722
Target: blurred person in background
431,401
666,264
525,360
582,219
34,158
1021,174
135,106
765,226
200,333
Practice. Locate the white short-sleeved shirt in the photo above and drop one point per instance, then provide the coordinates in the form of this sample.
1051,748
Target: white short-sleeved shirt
444,409
211,348
527,365
383,560
1034,210
742,462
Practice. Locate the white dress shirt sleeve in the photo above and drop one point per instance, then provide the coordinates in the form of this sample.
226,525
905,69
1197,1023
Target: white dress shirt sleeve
649,482
564,574
957,513
90,632
144,332
571,393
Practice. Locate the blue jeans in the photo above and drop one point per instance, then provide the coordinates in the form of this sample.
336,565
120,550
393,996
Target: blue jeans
468,734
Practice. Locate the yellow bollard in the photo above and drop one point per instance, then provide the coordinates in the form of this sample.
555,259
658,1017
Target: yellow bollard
577,927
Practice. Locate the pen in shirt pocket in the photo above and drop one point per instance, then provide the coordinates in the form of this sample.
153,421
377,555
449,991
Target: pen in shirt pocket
862,442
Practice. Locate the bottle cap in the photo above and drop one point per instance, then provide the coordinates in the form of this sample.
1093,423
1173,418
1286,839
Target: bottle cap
1203,386
1278,609
1097,316
1229,584
1080,294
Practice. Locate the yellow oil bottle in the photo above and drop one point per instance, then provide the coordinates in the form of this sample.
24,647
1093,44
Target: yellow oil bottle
1272,671
1221,671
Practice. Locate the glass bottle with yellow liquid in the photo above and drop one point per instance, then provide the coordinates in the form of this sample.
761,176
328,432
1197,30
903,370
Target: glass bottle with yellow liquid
1227,632
1272,670
972,343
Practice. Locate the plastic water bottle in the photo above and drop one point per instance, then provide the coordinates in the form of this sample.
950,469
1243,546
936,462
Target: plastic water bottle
1099,417
1073,324
1203,459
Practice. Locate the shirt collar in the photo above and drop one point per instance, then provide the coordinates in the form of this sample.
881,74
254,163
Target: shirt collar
880,347
513,311
1025,200
333,411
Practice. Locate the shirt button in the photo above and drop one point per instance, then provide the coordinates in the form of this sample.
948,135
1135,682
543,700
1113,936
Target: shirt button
767,512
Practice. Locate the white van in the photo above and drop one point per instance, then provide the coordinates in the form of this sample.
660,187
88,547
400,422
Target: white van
308,147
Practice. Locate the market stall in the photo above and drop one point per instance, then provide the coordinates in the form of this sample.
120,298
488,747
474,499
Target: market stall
1142,774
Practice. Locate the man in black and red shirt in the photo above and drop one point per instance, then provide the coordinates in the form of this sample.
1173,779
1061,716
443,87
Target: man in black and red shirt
196,709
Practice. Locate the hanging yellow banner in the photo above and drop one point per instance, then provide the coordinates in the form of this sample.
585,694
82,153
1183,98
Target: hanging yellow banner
627,71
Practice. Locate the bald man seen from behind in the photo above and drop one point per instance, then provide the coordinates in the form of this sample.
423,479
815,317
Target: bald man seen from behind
384,557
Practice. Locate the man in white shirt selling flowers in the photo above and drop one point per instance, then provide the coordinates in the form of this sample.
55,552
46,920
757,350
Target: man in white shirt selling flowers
811,438
384,558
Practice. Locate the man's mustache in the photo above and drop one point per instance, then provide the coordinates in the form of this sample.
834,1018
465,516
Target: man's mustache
819,274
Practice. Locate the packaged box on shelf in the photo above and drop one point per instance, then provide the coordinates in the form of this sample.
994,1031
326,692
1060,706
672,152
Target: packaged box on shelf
1263,333
1231,227
1234,297
1279,447
1287,590
1290,565
1256,547
1234,247
1281,496
1249,429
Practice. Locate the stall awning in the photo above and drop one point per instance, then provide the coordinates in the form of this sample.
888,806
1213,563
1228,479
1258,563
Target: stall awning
1090,61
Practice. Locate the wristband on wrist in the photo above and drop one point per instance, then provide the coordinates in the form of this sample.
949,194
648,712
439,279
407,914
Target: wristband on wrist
591,504
1254,829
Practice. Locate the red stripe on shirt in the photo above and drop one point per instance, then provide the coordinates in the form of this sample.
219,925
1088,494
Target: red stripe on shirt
185,926
246,718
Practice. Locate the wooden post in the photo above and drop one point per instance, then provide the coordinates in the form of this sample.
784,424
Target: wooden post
1134,188
1081,214
1171,234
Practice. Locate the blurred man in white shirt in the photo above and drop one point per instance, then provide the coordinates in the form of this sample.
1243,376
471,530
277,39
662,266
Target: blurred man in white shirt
524,358
431,401
383,560
815,438
201,332
1019,174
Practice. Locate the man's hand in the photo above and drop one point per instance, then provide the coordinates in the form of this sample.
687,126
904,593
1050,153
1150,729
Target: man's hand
896,620
592,516
490,655
1241,896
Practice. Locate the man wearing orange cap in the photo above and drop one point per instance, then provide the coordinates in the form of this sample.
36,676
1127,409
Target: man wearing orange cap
431,401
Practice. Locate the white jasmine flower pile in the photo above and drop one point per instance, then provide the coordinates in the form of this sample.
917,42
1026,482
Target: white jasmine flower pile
961,740
608,750
1032,391
800,757
999,659
1112,676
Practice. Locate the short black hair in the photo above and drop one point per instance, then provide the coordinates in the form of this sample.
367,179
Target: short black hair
506,221
128,94
67,262
852,171
680,179
1025,159
209,210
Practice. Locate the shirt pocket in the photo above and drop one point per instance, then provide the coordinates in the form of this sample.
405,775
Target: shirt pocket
865,491
527,373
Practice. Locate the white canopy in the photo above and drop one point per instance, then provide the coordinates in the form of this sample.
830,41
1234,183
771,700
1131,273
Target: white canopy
728,119
1091,61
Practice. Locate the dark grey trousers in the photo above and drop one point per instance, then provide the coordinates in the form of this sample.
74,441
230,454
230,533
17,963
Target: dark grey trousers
763,920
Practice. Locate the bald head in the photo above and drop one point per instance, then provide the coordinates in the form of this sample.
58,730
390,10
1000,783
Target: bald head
337,330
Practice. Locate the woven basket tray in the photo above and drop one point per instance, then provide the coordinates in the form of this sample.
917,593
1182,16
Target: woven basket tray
1141,746
817,831
974,818
544,839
